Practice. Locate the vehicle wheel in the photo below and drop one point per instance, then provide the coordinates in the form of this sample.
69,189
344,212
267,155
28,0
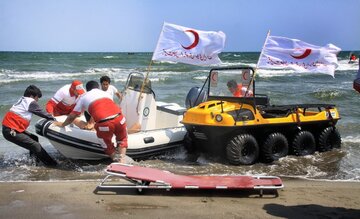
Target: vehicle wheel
275,146
329,138
188,143
304,143
242,149
143,183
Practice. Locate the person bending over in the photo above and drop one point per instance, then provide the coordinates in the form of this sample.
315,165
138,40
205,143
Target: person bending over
108,118
63,102
17,120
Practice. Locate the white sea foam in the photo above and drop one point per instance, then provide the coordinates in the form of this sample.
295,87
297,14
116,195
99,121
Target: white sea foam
200,78
227,63
274,73
10,76
351,139
109,57
164,62
202,160
345,66
40,75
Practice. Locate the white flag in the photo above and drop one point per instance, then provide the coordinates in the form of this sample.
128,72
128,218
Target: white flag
281,52
187,45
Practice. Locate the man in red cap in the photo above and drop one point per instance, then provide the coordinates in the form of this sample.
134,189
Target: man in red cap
63,102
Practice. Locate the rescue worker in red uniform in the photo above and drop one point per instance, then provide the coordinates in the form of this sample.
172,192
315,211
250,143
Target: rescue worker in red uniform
353,57
108,119
63,102
238,90
17,120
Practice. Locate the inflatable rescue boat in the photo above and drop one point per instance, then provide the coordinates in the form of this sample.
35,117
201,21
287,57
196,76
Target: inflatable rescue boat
160,132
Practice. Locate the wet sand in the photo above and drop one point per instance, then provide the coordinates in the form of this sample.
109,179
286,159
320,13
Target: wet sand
77,199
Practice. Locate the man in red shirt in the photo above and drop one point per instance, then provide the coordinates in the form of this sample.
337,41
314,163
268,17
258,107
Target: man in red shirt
353,57
63,102
108,119
17,120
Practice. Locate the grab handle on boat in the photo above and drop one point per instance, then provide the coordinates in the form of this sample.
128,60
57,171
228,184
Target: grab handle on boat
148,140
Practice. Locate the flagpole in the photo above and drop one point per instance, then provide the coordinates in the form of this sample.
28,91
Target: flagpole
147,73
262,49
148,70
257,64
143,85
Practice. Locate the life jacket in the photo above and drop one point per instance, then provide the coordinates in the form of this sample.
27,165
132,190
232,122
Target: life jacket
241,91
18,117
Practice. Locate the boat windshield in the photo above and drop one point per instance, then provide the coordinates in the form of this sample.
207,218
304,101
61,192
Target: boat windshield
230,82
135,81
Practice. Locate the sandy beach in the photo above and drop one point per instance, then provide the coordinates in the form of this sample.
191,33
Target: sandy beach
77,199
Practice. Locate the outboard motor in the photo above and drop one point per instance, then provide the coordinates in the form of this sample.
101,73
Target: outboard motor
194,97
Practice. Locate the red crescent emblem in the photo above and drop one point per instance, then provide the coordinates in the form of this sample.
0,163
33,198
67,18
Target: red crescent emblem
304,55
245,75
214,76
196,40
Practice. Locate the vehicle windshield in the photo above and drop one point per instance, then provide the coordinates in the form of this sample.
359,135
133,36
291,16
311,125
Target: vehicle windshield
230,82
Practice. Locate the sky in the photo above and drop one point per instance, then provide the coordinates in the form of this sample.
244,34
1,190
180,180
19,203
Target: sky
135,25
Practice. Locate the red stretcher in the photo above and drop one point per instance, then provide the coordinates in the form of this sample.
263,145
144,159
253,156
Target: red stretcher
150,178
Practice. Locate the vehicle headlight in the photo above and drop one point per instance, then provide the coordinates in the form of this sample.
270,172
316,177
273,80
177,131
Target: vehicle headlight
218,118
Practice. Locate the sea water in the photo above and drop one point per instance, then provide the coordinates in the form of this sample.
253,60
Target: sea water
171,83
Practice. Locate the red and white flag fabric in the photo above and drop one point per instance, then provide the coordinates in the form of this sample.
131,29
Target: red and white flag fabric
187,45
281,52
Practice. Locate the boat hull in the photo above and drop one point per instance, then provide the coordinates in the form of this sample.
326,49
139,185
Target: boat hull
75,143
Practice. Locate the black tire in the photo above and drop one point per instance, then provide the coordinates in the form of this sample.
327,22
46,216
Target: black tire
329,138
304,143
242,149
275,147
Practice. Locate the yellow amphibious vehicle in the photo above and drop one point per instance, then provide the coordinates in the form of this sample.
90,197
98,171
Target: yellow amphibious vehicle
247,129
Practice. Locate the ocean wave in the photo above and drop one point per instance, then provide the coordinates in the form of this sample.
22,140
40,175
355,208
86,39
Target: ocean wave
266,73
351,139
203,78
325,94
164,62
110,57
232,63
343,65
11,76
28,76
